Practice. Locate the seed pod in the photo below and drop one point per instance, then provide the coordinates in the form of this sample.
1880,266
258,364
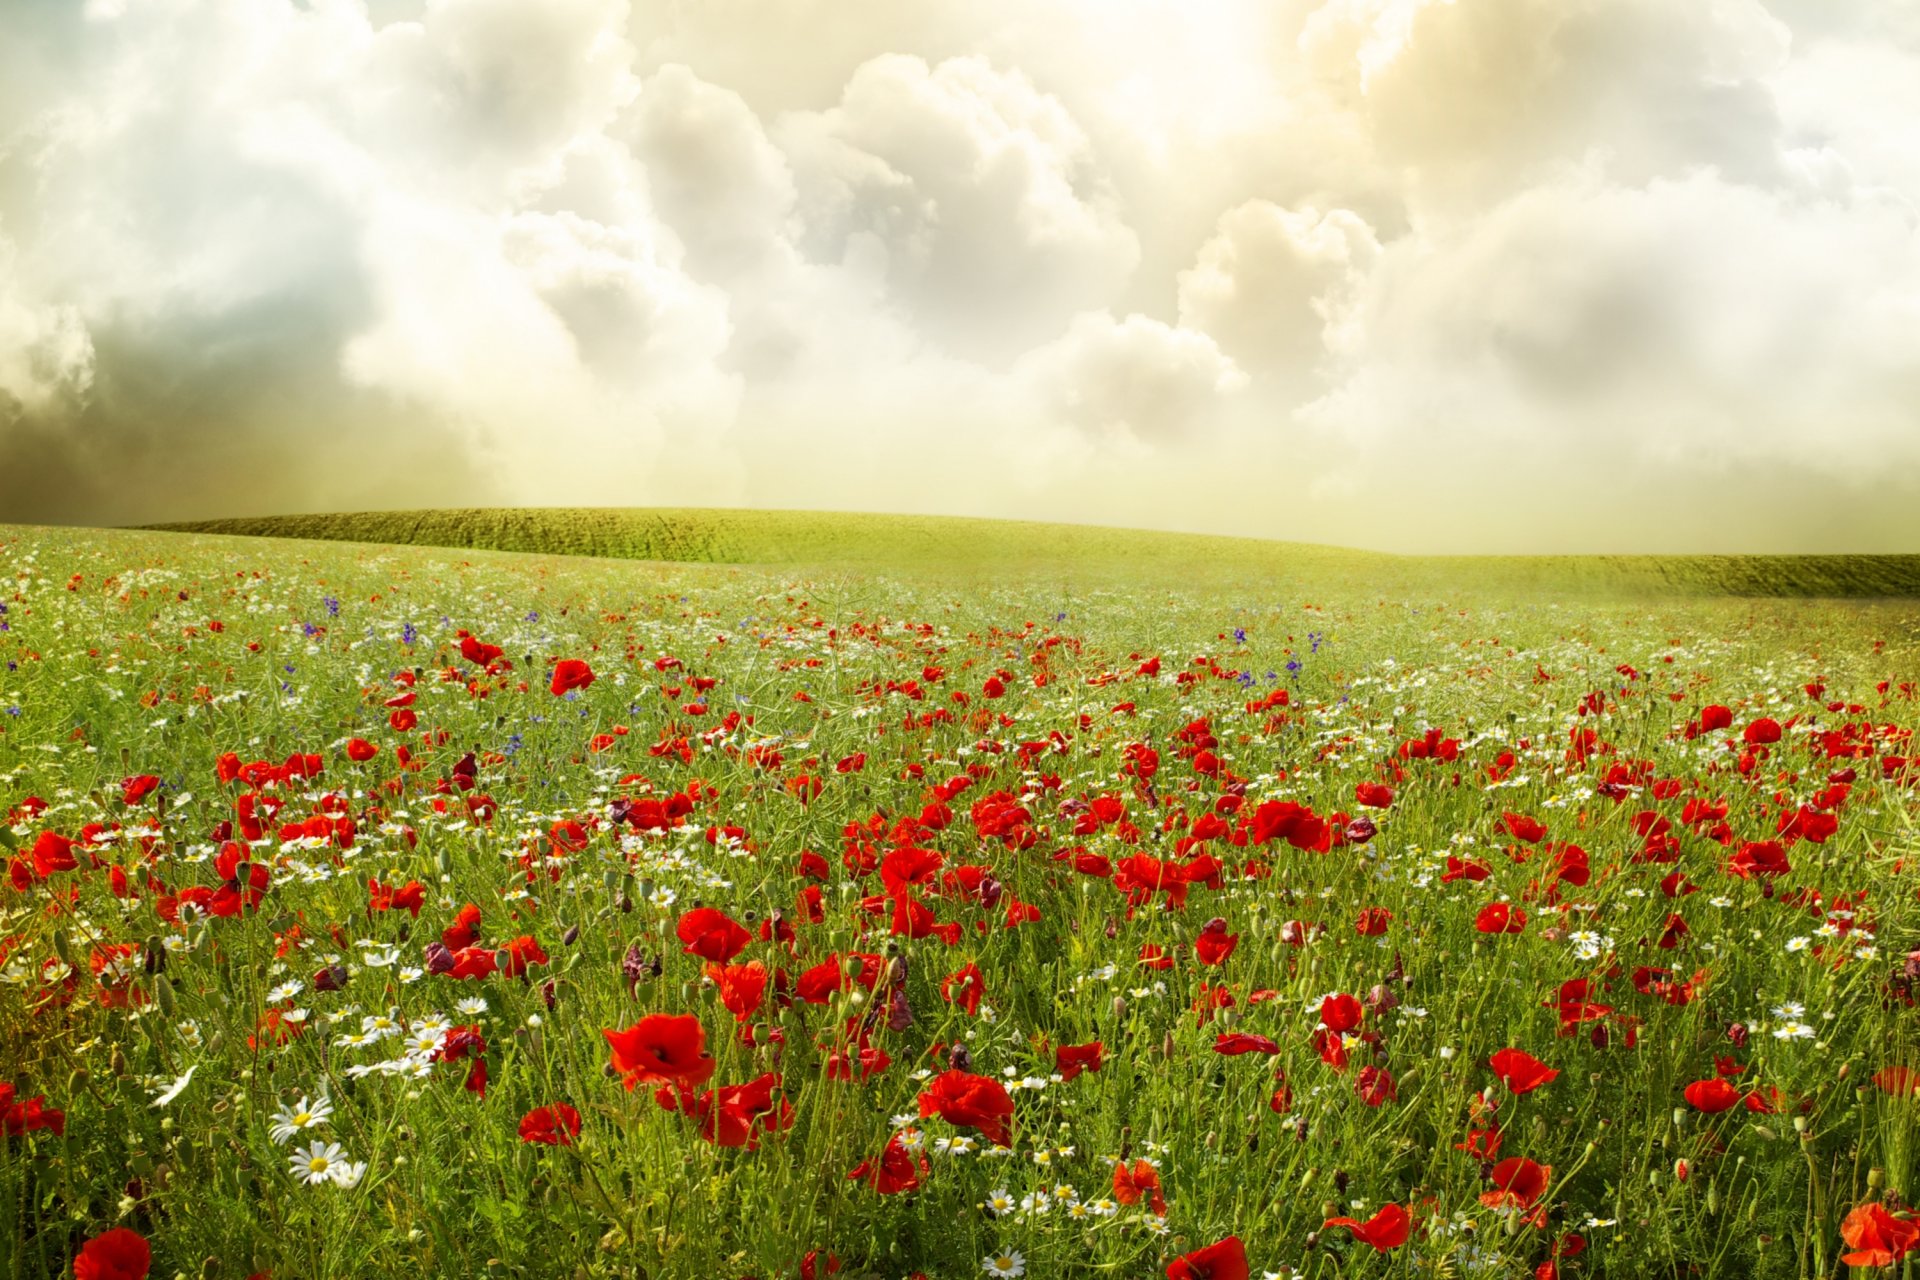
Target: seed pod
163,994
63,948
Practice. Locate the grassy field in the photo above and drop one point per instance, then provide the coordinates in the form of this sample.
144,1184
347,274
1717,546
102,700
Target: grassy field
895,542
393,911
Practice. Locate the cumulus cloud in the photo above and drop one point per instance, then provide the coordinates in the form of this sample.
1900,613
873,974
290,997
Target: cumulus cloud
1531,262
1134,377
982,193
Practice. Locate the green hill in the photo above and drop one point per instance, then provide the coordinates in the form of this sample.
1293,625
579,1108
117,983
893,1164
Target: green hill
974,545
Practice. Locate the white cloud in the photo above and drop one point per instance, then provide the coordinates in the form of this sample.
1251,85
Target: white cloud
983,193
1014,257
1133,378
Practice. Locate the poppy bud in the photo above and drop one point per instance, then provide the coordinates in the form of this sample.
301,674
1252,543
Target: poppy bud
1119,1007
1681,1169
958,1059
439,959
571,936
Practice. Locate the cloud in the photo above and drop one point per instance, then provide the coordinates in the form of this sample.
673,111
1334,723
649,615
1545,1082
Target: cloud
982,193
1270,280
1492,271
1135,378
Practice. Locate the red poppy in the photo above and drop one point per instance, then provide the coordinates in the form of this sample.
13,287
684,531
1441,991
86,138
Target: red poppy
1372,921
1521,1071
1215,944
743,987
1518,1183
554,1125
967,988
735,1115
1385,1230
1375,1086
712,934
1234,1043
134,790
1878,1238
1373,795
1341,1012
897,1169
360,749
118,1254
1071,1059
1224,1261
1500,917
662,1048
961,1098
1133,1183
570,673
1525,827
1761,732
1712,1096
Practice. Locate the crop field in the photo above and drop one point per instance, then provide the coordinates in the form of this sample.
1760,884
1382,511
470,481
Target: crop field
936,543
382,911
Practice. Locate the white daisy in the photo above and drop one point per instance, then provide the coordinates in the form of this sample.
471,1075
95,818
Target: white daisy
176,1088
1009,1263
290,1120
319,1163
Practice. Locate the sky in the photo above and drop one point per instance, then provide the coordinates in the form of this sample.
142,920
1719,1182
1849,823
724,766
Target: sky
1414,275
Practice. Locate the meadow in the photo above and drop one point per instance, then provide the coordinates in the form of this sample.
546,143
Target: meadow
1172,909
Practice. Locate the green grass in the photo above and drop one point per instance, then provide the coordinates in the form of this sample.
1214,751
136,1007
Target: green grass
110,668
891,542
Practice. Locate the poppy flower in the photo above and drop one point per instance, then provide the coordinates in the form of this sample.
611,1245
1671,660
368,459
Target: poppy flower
1375,1086
1521,1071
1385,1230
1071,1059
1226,1260
1341,1012
1762,732
743,987
735,1115
662,1048
134,790
967,988
1234,1043
1878,1238
118,1254
1138,1181
1712,1096
1500,917
1518,1183
554,1125
1524,827
1373,795
978,1102
712,934
360,750
570,673
1214,944
897,1170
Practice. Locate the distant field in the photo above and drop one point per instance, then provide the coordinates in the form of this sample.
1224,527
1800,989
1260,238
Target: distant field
822,538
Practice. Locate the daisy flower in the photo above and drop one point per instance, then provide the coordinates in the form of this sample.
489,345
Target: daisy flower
1009,1263
290,1120
320,1162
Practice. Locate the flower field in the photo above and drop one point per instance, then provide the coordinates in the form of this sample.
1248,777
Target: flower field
379,911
